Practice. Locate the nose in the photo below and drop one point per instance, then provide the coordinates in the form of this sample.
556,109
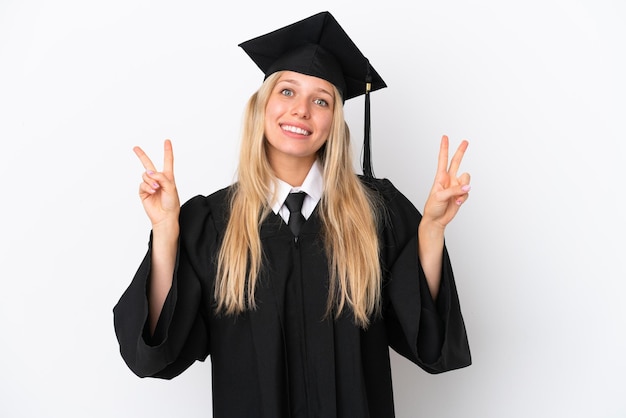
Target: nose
301,109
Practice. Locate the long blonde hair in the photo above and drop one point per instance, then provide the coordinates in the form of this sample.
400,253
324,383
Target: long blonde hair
347,210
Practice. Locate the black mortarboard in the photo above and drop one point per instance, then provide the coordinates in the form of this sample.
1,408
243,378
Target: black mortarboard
319,47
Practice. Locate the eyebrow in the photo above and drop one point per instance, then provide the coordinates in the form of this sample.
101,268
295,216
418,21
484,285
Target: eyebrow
292,81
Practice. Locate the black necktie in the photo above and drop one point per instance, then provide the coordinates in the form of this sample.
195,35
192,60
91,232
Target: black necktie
296,218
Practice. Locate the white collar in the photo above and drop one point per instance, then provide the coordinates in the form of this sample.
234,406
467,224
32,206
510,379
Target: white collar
313,185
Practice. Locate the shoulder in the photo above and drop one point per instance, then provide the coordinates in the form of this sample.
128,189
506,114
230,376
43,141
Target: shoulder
394,208
201,208
209,200
384,190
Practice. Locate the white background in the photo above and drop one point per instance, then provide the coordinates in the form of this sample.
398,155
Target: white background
537,87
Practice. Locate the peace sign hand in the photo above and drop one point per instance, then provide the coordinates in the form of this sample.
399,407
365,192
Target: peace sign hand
449,190
158,190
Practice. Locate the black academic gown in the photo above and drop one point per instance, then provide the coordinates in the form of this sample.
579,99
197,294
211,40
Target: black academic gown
286,359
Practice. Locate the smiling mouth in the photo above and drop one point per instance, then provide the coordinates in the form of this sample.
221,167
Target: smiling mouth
295,130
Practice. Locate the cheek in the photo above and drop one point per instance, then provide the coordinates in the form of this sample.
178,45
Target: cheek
274,108
326,126
269,121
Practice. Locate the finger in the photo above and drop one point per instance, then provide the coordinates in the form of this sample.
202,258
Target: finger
442,164
145,190
461,199
168,157
151,181
464,179
452,192
457,158
143,157
463,192
160,181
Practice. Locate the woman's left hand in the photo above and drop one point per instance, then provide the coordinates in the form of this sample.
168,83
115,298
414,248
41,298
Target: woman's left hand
449,190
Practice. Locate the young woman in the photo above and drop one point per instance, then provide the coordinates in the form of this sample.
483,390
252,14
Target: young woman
298,320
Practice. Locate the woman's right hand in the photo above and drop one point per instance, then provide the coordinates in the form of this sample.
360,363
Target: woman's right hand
158,190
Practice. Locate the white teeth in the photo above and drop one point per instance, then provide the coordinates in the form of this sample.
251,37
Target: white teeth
295,130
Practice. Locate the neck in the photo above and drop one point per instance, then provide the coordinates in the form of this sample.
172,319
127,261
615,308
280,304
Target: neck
293,171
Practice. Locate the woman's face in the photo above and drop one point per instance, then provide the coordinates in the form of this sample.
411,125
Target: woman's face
298,117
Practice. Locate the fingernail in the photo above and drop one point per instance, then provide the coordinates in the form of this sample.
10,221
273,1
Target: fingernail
150,172
466,188
459,201
155,185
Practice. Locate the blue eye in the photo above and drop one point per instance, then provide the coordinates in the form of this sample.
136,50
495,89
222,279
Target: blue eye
286,92
321,102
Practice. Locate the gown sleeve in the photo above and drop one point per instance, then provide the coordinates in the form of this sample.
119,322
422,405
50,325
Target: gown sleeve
181,336
429,333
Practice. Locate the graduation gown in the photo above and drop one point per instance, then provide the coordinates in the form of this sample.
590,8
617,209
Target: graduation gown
286,359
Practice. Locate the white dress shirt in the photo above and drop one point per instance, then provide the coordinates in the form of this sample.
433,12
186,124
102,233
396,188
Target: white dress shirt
313,185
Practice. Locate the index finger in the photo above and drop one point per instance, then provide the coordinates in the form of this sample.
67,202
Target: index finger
145,160
168,157
442,164
457,158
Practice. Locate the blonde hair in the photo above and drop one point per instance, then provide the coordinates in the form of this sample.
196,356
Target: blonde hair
347,211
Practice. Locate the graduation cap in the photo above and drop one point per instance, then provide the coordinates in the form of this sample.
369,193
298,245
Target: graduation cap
319,47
